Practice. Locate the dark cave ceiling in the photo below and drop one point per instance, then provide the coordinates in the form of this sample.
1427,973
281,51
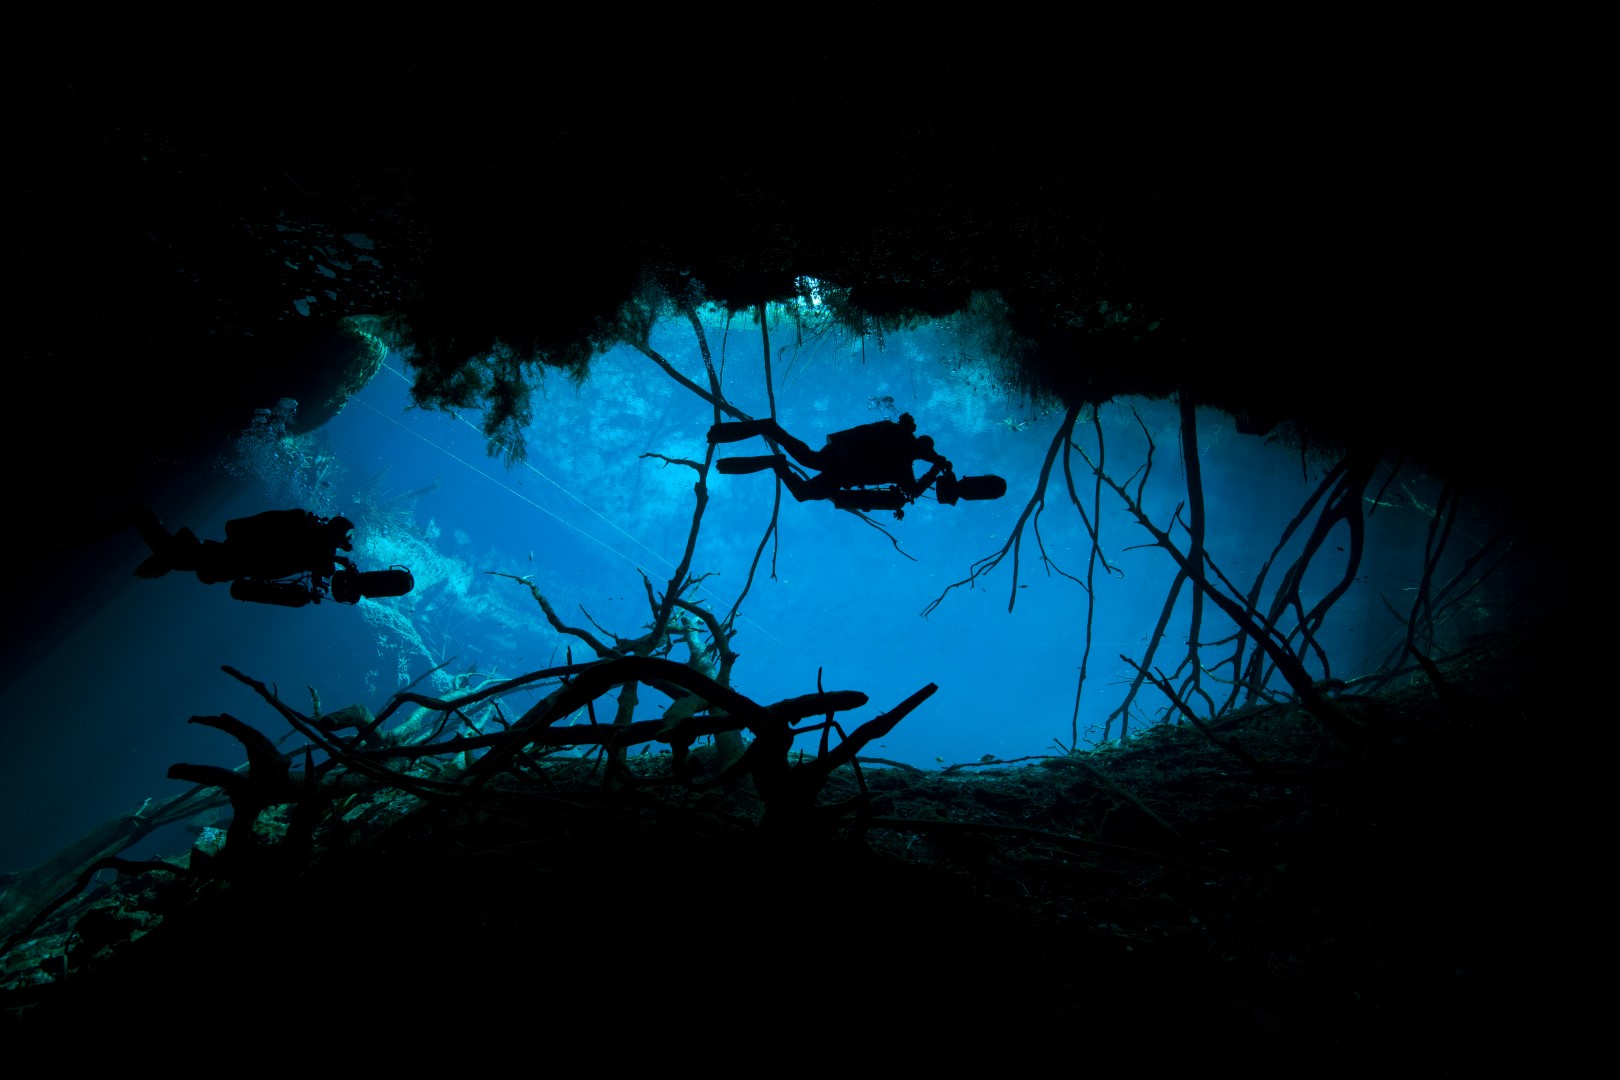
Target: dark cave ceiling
178,214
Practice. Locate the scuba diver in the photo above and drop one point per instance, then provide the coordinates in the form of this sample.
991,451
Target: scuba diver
284,557
869,467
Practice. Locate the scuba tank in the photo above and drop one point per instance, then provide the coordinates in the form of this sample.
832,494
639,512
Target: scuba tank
869,499
348,586
949,490
281,593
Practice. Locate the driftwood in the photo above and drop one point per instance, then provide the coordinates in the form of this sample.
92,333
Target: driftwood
787,783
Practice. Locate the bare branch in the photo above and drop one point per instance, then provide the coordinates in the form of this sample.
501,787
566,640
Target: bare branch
776,501
1311,697
712,396
1015,540
695,465
1229,744
1095,556
555,620
1194,471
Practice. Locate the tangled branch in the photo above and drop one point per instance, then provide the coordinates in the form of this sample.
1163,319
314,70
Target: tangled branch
1031,513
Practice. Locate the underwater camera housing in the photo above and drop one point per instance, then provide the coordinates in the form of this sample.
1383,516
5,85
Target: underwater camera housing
972,488
348,586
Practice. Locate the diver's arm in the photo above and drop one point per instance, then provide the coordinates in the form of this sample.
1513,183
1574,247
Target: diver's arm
938,465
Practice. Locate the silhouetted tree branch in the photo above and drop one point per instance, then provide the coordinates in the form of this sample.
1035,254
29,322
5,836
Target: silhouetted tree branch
1249,678
776,498
1311,697
1122,712
1092,559
1230,744
1344,505
1037,501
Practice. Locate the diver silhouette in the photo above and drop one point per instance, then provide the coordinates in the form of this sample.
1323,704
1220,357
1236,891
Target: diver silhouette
284,557
870,467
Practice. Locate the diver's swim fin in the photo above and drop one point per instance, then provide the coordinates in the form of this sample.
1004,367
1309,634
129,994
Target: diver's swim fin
733,466
738,430
155,566
176,552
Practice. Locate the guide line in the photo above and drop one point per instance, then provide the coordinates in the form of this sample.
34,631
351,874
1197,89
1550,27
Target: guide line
509,489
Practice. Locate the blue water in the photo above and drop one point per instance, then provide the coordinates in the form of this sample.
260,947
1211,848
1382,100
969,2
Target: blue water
592,522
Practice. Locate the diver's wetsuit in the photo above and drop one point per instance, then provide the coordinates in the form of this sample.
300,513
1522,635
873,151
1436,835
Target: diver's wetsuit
871,455
265,547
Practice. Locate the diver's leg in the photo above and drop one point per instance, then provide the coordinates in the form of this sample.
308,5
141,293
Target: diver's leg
770,429
213,561
800,488
805,489
153,566
810,459
820,486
